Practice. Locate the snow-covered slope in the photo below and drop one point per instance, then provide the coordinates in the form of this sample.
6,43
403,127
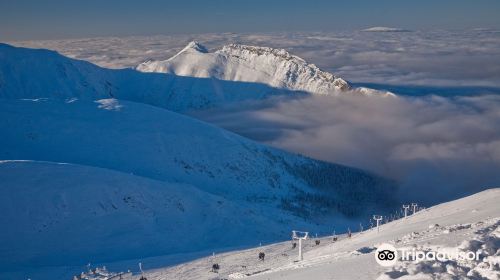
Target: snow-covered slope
156,143
33,73
71,213
274,67
142,146
67,215
468,224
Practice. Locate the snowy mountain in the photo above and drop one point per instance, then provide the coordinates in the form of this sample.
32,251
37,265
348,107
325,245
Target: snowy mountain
470,224
273,67
262,65
37,73
384,29
90,171
30,73
110,178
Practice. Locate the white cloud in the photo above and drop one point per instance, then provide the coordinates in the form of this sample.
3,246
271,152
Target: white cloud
448,145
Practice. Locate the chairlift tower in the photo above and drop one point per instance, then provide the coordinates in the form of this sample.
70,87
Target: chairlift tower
406,207
300,235
378,218
414,206
142,272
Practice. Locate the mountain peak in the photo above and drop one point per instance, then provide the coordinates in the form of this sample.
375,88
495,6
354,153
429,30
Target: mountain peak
273,67
231,48
384,29
196,46
289,71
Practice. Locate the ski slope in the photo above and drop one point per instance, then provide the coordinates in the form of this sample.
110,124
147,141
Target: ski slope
470,223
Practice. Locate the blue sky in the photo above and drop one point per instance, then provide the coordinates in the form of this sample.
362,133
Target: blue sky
50,19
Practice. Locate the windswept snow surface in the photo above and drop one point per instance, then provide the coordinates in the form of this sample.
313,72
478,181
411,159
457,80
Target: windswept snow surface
471,223
140,181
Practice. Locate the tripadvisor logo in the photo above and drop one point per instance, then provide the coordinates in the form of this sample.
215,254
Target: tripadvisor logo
388,255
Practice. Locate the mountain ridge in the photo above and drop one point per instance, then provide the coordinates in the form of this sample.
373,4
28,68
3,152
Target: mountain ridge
39,73
275,67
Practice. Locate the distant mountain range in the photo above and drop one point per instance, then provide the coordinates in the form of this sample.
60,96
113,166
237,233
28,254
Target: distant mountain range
192,79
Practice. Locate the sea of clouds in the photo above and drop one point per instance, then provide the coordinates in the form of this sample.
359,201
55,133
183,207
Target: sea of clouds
438,146
426,58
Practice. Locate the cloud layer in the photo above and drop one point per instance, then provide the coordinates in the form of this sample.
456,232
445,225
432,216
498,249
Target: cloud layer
437,148
430,58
